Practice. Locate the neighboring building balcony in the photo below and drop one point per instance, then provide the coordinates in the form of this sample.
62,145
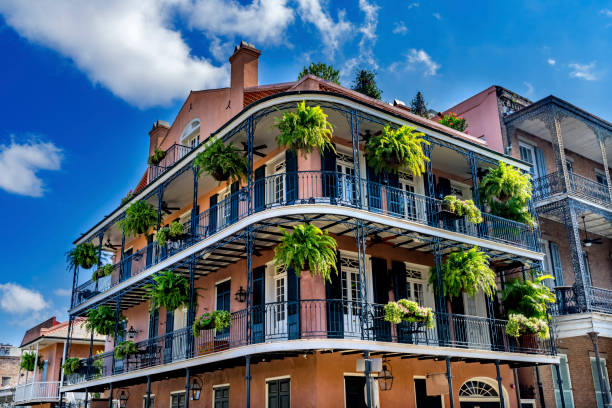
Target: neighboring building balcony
547,186
598,300
330,320
47,391
306,188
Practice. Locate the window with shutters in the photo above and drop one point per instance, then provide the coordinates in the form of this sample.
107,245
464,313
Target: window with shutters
528,155
223,290
601,177
221,397
279,393
568,395
598,390
177,400
555,263
151,401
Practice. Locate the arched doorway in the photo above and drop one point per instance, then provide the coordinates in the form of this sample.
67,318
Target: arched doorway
480,393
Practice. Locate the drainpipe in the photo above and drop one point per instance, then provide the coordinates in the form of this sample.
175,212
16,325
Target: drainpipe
110,396
502,403
366,356
449,377
148,400
560,385
516,386
247,378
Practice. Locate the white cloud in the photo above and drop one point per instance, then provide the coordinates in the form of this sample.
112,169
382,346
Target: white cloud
16,299
400,28
606,12
333,33
348,68
412,5
127,46
368,33
437,16
62,292
530,89
261,21
583,71
419,57
551,61
20,163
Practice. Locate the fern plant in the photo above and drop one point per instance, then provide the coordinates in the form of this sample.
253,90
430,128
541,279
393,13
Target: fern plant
529,298
173,231
71,365
218,319
139,218
28,360
84,255
102,271
307,248
305,130
157,156
465,271
170,290
397,150
101,320
462,208
124,349
222,161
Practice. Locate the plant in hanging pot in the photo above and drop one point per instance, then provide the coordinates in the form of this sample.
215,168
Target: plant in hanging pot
307,248
102,271
405,310
84,255
465,272
28,360
169,290
71,365
157,156
519,325
125,349
101,320
139,218
396,150
173,232
218,320
305,130
222,161
455,207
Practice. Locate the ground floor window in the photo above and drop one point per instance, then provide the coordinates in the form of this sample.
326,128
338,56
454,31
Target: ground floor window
422,399
568,395
221,397
598,390
279,393
177,400
355,393
151,401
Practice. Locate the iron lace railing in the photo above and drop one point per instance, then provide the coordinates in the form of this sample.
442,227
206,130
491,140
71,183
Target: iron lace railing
312,319
173,155
544,187
314,187
568,302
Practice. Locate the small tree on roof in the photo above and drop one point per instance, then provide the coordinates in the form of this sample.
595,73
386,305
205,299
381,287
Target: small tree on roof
365,82
323,71
418,105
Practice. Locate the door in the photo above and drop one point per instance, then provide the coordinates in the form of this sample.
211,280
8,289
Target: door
351,296
179,337
168,336
381,330
221,397
422,399
276,303
279,393
477,326
259,299
126,271
346,179
276,185
225,209
354,392
260,188
418,290
223,303
153,332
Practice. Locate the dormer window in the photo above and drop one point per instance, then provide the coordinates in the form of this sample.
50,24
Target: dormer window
191,134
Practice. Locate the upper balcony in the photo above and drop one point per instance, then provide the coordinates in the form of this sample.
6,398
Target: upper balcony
547,186
37,392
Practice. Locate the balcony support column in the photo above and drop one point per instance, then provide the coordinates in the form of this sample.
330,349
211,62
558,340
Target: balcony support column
194,206
191,311
187,379
117,311
250,170
603,384
75,282
368,378
442,317
552,121
100,240
449,377
249,282
581,285
360,238
560,385
604,158
35,372
86,395
121,256
148,397
110,396
356,156
247,379
430,190
66,352
500,387
160,202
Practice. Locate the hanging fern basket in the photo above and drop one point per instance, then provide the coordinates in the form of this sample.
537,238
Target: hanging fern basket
396,150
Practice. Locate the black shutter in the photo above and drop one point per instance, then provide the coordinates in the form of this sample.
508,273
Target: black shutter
394,194
398,269
260,188
293,309
149,259
212,214
373,190
291,171
259,299
168,337
234,200
444,187
335,311
329,176
380,282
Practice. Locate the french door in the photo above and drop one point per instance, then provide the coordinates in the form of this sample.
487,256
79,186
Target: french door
351,296
477,330
276,303
346,181
179,338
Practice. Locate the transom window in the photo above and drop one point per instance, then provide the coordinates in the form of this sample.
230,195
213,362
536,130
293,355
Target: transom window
477,389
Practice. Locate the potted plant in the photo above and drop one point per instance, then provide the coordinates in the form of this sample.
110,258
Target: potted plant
405,310
453,207
101,320
170,290
98,364
157,156
307,248
71,365
139,218
305,130
173,232
465,272
506,191
218,320
84,255
222,161
396,150
102,271
453,121
28,359
520,326
124,349
127,197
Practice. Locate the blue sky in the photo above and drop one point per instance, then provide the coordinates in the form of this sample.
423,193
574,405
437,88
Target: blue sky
82,82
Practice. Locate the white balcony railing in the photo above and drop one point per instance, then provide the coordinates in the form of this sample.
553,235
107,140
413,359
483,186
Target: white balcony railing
37,391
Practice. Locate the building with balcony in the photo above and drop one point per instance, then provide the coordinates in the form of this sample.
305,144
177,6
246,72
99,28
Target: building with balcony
300,341
9,367
41,387
568,149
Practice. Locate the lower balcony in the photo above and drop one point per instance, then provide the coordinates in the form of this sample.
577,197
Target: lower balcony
317,320
34,392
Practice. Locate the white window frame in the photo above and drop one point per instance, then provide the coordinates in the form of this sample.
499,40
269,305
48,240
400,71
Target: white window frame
424,280
282,377
144,400
214,387
593,361
175,393
532,148
566,387
190,132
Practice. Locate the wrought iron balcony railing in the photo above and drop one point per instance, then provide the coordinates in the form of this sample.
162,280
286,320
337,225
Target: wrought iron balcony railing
544,187
37,391
173,155
314,187
312,319
568,302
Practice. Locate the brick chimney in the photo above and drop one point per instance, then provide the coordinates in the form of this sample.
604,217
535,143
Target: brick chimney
157,134
244,73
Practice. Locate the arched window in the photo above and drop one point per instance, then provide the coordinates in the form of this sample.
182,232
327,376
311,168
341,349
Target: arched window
191,134
481,391
477,389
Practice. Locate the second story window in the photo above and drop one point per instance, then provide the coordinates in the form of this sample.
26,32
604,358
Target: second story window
191,134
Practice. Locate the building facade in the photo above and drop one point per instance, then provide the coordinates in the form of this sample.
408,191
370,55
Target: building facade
569,151
9,368
302,341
